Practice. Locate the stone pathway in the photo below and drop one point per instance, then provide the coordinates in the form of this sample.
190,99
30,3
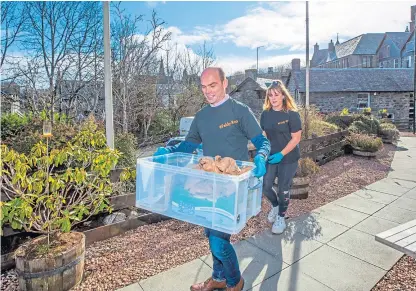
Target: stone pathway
331,248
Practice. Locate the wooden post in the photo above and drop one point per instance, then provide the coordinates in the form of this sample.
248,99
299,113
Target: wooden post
314,147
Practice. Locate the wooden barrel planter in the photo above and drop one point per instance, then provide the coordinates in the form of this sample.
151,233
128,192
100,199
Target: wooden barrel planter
299,189
59,270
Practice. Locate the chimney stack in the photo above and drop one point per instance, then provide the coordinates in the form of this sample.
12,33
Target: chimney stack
296,64
252,73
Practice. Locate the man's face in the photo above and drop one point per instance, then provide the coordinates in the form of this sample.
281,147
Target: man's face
212,86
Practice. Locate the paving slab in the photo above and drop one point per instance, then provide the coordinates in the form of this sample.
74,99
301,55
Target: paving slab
404,174
341,215
179,278
291,279
339,270
391,186
376,196
288,246
411,194
256,265
365,247
316,227
357,203
132,287
405,203
374,225
396,214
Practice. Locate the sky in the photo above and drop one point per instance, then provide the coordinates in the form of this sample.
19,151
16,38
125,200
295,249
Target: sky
235,29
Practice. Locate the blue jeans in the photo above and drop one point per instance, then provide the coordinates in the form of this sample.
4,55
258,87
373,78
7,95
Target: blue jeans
225,262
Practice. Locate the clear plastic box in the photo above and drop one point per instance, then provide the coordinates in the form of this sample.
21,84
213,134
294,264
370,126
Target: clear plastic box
170,185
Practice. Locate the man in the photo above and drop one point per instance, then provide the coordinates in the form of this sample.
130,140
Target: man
223,127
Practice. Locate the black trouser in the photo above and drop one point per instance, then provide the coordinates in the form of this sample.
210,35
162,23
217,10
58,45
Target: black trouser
285,174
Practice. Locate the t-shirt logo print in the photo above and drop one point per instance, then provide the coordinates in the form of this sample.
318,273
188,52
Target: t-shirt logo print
283,122
229,123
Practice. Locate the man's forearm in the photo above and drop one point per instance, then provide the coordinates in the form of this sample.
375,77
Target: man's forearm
262,145
183,147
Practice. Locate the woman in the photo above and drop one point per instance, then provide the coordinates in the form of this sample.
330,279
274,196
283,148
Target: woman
282,125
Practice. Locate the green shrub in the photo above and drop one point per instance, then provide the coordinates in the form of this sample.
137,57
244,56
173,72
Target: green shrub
306,167
341,121
49,192
364,142
12,124
365,124
316,123
126,143
30,133
389,130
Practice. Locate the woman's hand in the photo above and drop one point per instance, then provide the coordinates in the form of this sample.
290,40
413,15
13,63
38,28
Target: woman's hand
276,158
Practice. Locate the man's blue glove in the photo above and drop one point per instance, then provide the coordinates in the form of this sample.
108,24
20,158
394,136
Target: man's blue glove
161,151
275,158
260,162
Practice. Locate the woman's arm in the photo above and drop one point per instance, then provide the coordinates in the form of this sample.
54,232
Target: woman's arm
293,142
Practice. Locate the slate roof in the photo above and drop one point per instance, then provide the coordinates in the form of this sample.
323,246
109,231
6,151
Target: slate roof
353,80
319,57
399,38
365,44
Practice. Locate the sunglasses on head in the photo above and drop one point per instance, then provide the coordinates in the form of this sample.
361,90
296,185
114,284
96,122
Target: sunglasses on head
272,84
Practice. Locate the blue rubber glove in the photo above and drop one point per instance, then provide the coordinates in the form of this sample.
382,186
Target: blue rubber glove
275,158
260,162
161,151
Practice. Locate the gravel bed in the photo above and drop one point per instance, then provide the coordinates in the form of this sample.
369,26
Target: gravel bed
151,249
402,277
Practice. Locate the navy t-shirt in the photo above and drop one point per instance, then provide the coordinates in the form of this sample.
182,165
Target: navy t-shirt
279,125
224,130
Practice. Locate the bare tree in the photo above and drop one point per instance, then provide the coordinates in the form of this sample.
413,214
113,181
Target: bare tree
134,54
13,17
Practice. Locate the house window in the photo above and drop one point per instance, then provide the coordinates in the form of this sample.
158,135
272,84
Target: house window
348,64
363,101
396,63
366,61
409,62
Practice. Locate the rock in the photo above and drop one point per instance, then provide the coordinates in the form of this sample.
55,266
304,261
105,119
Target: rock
114,218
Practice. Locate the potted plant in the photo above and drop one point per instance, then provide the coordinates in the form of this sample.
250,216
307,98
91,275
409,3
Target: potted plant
388,133
300,186
383,113
364,145
367,111
48,194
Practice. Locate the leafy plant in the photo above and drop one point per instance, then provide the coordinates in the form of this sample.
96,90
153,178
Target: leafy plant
52,192
30,133
344,112
306,167
389,130
316,123
126,143
12,124
365,142
365,124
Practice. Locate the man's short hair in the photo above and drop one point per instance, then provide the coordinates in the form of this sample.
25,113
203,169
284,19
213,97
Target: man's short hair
220,72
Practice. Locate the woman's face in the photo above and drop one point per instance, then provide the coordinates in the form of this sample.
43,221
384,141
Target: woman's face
276,97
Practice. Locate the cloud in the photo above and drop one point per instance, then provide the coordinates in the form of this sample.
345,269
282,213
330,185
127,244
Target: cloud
232,63
199,35
282,25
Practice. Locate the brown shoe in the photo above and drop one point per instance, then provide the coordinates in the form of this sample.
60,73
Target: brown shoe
209,285
238,287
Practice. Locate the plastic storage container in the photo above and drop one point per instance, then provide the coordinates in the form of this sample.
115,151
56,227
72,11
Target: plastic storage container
170,185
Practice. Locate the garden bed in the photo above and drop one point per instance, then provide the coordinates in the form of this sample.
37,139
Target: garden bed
154,248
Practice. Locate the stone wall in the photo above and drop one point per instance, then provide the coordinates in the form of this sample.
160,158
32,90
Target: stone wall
395,102
248,94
